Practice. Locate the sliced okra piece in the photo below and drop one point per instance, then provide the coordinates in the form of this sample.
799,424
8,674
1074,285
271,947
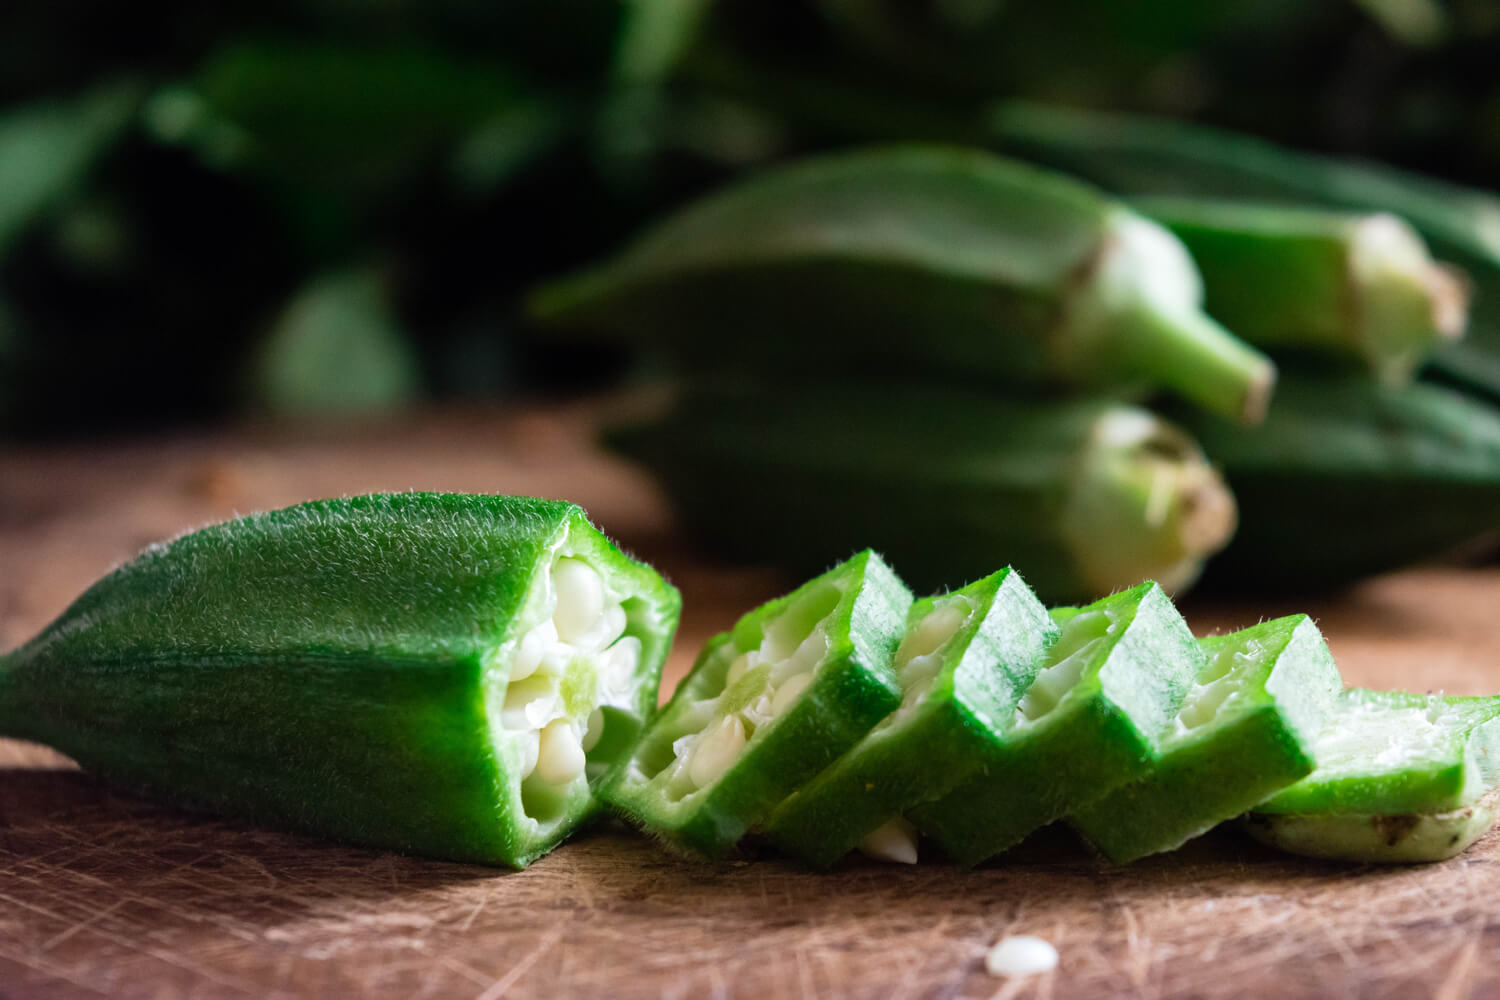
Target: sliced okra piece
767,706
1246,730
1400,778
965,661
1091,721
436,673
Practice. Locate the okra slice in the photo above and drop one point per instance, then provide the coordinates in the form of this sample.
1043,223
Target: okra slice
1400,778
767,706
436,673
1091,721
920,258
963,665
1246,730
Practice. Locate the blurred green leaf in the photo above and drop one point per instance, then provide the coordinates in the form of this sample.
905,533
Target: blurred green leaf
336,349
47,148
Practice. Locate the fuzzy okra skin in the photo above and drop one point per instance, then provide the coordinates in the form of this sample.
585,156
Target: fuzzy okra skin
917,258
1090,722
767,706
1246,730
1361,286
965,661
1349,477
1082,496
437,673
1401,778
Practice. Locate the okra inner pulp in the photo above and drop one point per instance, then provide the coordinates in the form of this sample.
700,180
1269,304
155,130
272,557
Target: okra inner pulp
758,686
553,685
1221,682
1374,736
1078,640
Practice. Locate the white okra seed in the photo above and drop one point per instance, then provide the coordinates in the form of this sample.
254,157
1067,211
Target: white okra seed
530,649
895,840
1021,955
580,598
594,731
788,692
560,755
529,703
717,751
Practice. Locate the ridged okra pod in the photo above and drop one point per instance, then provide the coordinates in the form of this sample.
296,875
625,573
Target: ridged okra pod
920,259
1083,497
767,705
1246,730
965,661
1348,477
1401,778
436,673
1361,286
1091,721
1133,156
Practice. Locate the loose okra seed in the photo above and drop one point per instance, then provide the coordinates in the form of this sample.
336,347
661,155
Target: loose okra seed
895,841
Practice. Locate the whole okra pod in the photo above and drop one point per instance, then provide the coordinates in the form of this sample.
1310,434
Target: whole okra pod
437,673
1082,496
921,258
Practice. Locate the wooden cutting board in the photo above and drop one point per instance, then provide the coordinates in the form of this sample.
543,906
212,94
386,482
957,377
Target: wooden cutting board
102,894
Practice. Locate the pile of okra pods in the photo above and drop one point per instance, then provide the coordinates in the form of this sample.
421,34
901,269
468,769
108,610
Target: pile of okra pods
470,677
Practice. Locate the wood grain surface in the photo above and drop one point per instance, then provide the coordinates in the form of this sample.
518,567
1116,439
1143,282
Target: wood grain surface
102,894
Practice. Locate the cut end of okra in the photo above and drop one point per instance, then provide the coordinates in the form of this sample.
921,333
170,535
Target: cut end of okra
1246,729
1144,500
766,706
1401,777
1404,302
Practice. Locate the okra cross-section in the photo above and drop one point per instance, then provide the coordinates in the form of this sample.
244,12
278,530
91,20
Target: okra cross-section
1091,721
1246,730
443,674
963,665
768,705
1400,777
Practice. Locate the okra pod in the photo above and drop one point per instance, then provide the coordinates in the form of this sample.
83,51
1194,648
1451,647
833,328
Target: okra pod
1348,477
1082,496
965,661
1362,286
1091,721
1133,156
767,706
436,673
1247,729
1401,778
921,259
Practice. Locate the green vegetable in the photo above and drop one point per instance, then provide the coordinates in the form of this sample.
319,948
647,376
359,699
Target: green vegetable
1401,777
1083,496
1246,730
1348,477
1357,285
922,259
768,705
442,674
1137,155
1091,721
966,660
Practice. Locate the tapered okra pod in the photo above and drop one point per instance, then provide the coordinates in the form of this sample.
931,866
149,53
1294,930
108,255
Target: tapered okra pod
1083,497
443,674
1363,286
1401,777
1246,730
766,706
1349,477
963,665
1133,156
927,259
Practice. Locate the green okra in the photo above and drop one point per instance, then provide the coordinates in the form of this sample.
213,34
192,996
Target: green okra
1362,286
1082,496
1133,155
1349,477
767,706
436,673
920,259
1246,730
1401,777
1091,721
966,659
